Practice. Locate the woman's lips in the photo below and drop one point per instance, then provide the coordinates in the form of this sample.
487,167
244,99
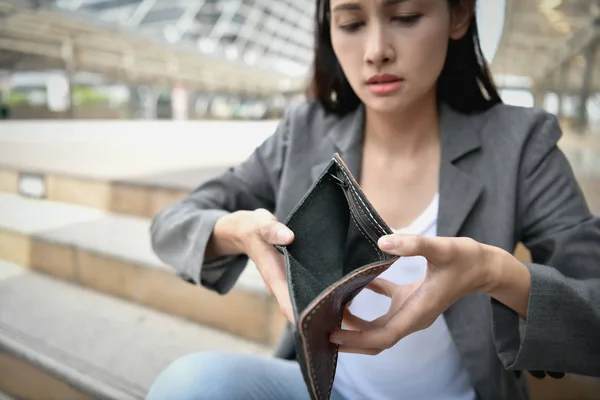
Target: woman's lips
385,84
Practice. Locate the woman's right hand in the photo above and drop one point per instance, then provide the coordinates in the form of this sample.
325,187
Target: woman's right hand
258,231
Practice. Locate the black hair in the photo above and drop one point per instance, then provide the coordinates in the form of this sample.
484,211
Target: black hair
465,82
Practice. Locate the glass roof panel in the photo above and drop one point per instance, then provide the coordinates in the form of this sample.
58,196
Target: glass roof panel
263,31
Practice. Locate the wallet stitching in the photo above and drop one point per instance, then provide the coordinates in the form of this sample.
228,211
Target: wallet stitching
309,317
362,212
373,244
365,235
381,230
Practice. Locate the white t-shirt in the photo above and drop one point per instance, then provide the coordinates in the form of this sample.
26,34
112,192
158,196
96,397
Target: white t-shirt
424,365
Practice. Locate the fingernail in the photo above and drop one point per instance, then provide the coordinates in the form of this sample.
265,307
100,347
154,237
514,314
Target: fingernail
283,235
336,340
386,243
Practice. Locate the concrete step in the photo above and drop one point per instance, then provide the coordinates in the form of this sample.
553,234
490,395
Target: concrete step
112,254
138,195
142,196
122,166
62,341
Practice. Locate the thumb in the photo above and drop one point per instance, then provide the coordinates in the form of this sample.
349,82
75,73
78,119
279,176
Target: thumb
274,232
419,311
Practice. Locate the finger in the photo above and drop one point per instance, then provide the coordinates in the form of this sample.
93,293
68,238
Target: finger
270,265
357,324
399,293
274,232
377,338
416,313
382,286
353,322
432,248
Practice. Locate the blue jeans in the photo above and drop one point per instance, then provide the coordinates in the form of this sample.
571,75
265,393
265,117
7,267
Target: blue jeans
226,376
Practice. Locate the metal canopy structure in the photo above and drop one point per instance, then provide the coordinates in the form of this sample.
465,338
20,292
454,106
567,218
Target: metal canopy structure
554,43
264,46
206,45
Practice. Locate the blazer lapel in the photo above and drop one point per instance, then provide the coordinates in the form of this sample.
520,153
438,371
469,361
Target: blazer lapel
346,136
459,191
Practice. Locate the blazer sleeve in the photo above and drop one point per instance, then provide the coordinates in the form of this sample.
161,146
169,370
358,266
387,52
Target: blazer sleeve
180,232
562,330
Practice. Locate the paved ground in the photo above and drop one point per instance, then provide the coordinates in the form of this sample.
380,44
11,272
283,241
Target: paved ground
103,334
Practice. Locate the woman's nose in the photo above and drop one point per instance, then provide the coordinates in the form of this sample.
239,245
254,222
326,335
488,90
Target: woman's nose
379,48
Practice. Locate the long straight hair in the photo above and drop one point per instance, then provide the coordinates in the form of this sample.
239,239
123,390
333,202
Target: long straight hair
465,82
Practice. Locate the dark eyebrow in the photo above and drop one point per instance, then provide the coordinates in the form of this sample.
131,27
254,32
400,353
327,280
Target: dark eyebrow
346,6
389,3
356,6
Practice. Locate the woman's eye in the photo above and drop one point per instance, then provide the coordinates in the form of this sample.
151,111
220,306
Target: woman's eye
407,19
351,27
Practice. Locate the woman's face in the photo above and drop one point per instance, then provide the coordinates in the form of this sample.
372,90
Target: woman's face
393,51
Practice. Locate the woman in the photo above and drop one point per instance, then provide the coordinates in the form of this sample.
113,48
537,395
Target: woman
402,92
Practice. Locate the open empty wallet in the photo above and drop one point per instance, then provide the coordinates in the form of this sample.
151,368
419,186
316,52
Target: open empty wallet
333,257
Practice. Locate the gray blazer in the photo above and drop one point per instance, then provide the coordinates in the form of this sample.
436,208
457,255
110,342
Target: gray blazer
502,180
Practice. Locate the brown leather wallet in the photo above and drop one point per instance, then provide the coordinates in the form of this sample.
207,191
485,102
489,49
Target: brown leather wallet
333,257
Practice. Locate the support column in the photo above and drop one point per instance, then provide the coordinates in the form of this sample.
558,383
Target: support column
134,103
560,106
539,98
586,84
148,100
5,89
68,58
71,79
179,103
5,85
562,76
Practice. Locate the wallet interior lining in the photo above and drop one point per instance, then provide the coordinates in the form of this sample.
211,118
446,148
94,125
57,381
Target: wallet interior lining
330,241
333,257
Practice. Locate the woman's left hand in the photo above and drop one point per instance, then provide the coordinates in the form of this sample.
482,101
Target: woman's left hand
456,267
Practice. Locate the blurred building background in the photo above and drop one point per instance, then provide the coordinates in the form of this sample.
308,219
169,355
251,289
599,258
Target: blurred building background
154,58
246,58
113,109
